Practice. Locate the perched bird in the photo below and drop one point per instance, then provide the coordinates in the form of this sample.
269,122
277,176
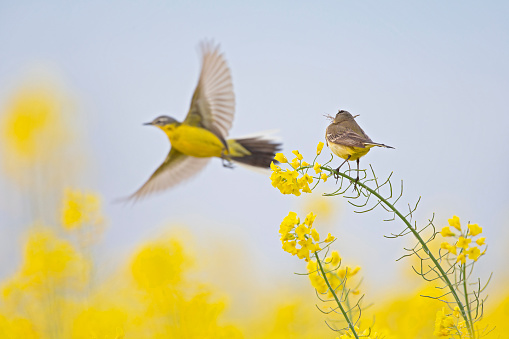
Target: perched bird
347,140
203,133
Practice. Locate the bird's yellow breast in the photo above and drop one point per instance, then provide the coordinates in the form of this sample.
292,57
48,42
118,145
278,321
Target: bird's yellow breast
343,151
195,141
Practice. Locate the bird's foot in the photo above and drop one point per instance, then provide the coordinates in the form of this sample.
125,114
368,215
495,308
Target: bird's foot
355,184
227,163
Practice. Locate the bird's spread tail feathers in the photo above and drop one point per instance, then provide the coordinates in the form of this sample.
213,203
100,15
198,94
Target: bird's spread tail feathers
253,151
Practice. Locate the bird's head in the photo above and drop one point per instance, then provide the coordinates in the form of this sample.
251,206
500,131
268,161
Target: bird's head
343,116
164,122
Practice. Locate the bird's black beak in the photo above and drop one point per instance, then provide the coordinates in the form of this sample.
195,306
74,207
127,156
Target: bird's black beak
147,124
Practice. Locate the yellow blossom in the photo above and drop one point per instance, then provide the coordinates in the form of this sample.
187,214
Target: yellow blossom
456,312
315,235
443,324
280,157
480,241
317,281
295,163
289,246
329,238
310,219
348,271
297,154
474,253
446,232
335,258
274,167
305,164
463,242
455,222
324,177
449,247
319,148
474,229
303,253
317,168
301,231
461,258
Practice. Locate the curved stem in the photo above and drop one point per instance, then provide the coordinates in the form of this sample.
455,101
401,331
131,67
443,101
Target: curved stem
443,275
336,297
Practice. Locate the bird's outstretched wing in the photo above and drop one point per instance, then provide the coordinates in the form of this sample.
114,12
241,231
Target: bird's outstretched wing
176,168
345,136
213,102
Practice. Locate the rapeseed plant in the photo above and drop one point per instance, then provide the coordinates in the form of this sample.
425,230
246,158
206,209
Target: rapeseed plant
450,268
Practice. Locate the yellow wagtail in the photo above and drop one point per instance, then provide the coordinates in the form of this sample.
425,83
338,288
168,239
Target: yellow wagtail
203,133
347,140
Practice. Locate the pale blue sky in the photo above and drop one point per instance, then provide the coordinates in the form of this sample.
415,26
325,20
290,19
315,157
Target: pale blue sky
429,78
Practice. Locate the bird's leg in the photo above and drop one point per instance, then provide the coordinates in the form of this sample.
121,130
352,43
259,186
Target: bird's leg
336,175
356,180
226,160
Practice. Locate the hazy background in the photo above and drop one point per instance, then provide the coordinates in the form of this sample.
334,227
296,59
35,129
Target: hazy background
429,78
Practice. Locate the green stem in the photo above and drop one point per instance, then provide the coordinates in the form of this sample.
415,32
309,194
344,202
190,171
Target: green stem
336,297
464,270
443,275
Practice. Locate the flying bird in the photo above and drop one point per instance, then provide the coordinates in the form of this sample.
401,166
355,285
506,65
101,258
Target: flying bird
203,133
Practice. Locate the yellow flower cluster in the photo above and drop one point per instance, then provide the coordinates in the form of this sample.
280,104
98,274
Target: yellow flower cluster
464,241
298,238
288,180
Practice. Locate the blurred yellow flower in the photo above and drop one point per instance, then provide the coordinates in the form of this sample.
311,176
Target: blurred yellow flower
17,328
324,177
32,128
443,324
100,324
49,259
335,258
159,265
80,208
